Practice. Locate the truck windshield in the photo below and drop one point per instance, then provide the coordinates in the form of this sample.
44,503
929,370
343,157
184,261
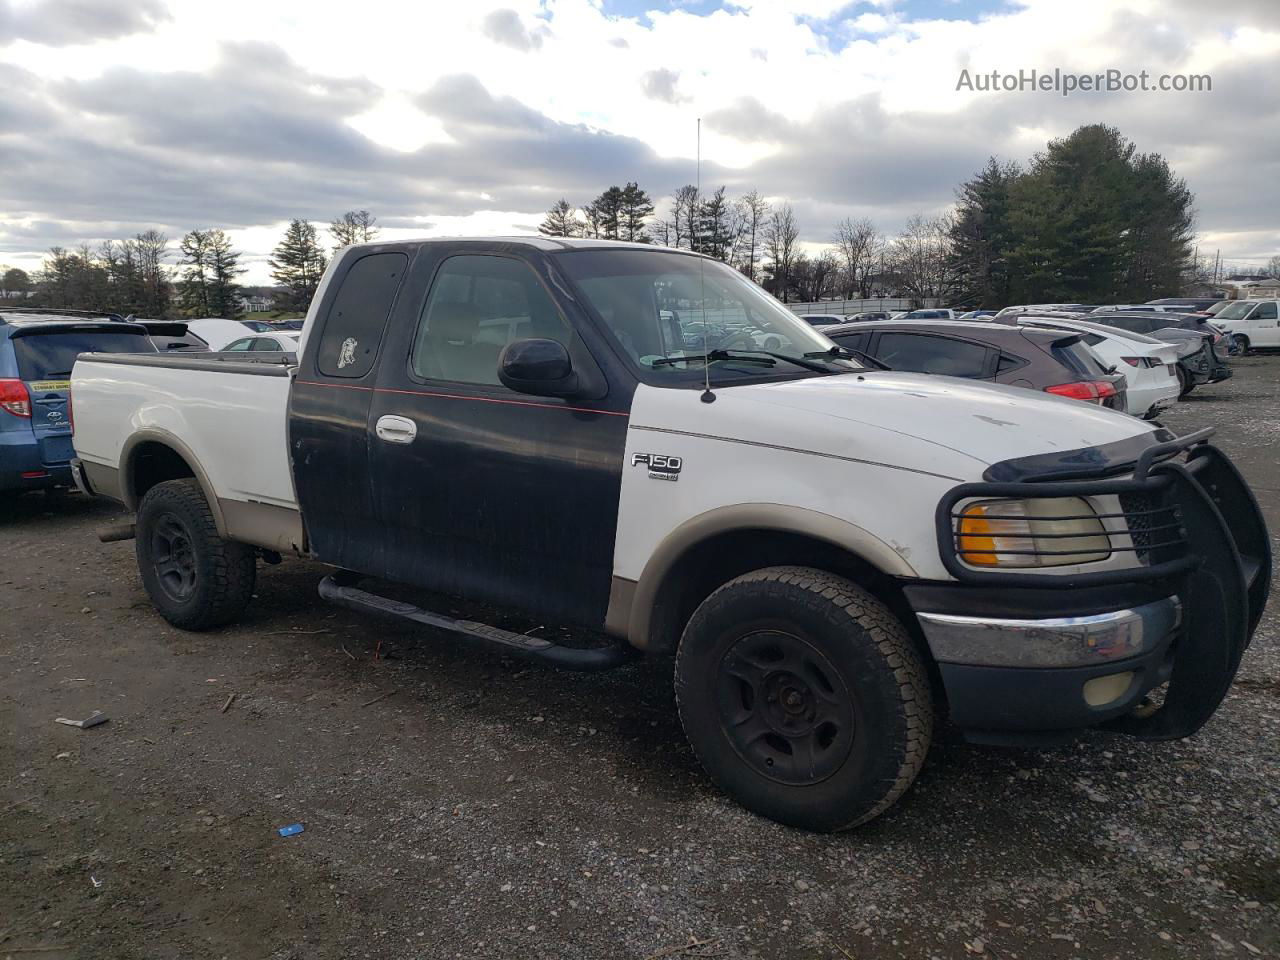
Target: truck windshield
47,355
673,315
1236,311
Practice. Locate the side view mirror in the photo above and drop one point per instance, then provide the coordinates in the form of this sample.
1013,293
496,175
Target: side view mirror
538,367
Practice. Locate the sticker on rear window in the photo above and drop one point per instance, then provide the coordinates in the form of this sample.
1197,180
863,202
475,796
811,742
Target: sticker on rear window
347,355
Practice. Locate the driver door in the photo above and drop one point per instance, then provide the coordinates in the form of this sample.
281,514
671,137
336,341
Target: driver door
481,491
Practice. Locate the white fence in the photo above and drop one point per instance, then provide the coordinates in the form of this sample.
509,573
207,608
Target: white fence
848,307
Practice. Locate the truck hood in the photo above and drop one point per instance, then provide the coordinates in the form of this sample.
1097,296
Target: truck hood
935,424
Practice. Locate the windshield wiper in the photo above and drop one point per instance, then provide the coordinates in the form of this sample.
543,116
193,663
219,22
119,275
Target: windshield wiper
715,355
844,353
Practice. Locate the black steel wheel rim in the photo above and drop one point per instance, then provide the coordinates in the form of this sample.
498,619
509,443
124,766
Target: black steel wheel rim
783,706
173,558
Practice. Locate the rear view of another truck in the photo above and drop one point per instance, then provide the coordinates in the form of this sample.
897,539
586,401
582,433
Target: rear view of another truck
37,351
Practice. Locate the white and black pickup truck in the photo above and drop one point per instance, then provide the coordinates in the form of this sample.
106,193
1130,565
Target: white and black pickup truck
640,441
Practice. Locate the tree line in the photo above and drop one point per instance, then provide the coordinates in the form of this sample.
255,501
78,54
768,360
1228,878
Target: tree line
1089,219
134,276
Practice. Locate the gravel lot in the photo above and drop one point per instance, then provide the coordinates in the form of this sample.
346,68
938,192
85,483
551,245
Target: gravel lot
483,808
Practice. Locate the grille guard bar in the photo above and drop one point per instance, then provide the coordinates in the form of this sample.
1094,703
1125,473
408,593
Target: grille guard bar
1223,579
1142,481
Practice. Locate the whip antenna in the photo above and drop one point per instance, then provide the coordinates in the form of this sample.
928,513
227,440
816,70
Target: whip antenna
707,395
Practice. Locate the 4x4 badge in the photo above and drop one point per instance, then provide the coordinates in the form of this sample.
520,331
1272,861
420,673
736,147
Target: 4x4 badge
661,467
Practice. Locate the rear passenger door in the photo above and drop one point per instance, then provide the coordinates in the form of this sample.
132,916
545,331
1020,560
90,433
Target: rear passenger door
329,407
481,491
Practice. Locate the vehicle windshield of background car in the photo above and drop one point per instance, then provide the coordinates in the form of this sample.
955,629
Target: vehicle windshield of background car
1237,310
655,306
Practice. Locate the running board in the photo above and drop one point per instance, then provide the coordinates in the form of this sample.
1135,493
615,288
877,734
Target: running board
517,644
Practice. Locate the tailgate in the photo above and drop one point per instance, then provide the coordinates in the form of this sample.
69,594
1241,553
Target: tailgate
51,419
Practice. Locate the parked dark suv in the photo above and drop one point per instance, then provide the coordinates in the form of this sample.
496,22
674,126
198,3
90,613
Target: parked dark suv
1047,360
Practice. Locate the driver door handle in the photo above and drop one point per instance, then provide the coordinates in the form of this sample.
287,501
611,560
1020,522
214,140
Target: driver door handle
396,429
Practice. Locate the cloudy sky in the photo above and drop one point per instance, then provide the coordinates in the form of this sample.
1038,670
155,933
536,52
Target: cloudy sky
473,117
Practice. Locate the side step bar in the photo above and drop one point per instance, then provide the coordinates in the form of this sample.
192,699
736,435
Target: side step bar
517,644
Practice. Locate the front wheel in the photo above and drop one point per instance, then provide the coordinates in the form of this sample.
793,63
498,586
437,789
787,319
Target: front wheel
803,698
195,578
1242,343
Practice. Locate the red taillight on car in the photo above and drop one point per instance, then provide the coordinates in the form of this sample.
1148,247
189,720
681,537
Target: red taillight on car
1093,391
1132,361
14,398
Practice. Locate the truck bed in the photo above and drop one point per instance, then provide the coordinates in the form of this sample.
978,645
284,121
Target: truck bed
227,412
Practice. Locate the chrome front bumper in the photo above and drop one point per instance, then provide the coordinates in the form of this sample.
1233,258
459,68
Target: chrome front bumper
1086,641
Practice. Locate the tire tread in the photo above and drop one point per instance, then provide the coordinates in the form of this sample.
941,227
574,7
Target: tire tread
231,567
831,591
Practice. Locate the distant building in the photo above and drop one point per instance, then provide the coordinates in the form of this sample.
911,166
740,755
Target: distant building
1268,289
257,304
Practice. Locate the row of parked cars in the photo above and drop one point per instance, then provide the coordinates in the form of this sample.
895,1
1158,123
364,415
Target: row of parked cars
38,348
1136,358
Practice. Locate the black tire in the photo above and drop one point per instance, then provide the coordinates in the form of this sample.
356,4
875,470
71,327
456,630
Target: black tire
195,579
1185,383
786,663
1243,344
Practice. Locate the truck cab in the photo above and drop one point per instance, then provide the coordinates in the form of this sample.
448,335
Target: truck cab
834,556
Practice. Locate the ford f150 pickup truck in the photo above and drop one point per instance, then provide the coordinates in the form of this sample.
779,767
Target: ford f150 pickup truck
834,553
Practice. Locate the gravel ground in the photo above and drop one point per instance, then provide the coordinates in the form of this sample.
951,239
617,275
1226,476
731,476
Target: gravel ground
483,808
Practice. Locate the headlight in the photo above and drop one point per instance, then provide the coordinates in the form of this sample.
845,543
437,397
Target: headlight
1039,532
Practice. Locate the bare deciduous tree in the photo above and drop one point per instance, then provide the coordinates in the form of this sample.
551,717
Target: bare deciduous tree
354,226
780,238
859,245
921,257
753,213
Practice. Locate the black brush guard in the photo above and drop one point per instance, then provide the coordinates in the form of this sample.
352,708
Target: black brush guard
1199,528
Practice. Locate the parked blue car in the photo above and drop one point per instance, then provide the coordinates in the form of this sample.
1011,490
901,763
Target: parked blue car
37,351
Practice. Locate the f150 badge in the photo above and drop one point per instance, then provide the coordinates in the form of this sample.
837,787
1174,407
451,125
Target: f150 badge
660,467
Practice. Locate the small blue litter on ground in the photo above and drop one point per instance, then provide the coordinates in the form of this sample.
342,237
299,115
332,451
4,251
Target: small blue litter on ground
291,829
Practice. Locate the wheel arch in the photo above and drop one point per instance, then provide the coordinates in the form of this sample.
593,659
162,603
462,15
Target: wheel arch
709,550
154,455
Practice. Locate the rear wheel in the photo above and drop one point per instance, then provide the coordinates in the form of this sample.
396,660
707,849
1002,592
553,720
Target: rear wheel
195,578
1243,343
803,697
1185,383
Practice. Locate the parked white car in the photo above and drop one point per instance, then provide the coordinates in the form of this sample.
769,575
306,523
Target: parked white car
264,343
217,332
820,320
1253,323
1150,366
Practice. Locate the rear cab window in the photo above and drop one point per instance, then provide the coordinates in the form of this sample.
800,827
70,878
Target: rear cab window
355,322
